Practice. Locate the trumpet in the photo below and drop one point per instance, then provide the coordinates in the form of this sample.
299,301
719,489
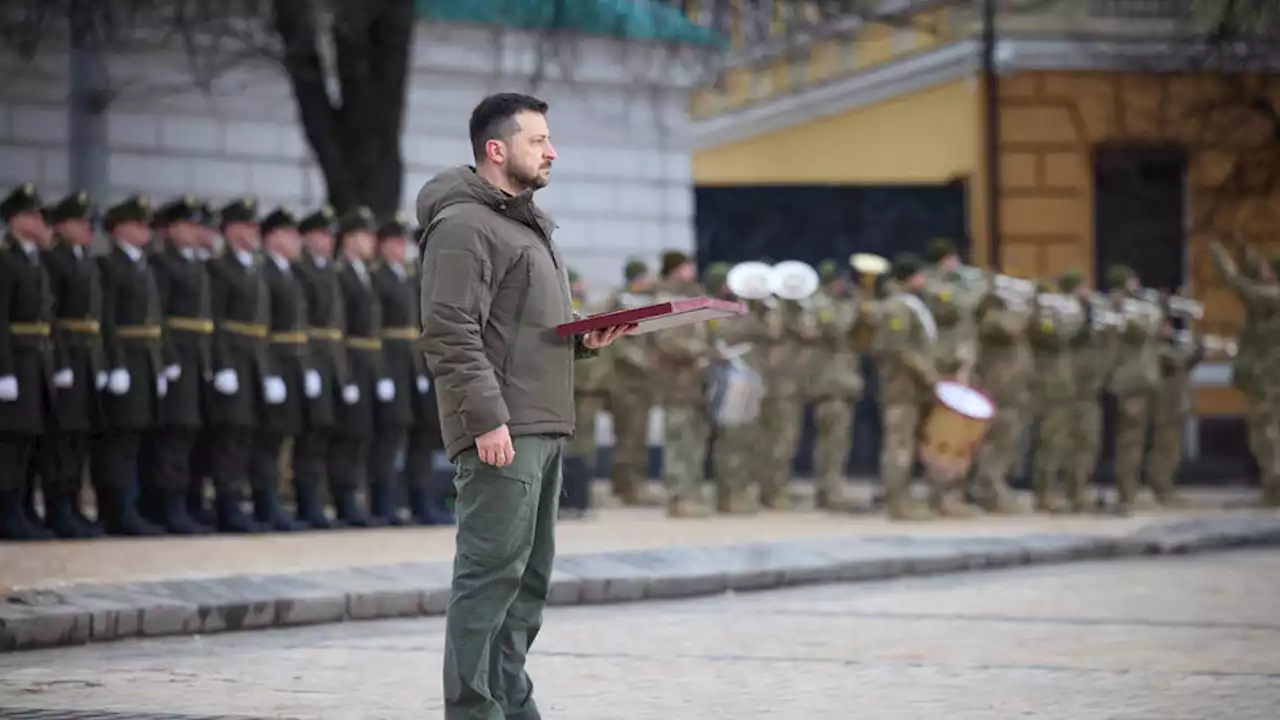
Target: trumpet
1186,307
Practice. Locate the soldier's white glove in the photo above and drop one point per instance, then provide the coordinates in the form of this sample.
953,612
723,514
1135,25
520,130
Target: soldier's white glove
351,394
274,391
226,382
311,385
8,388
100,380
118,381
386,390
162,386
64,378
423,384
173,372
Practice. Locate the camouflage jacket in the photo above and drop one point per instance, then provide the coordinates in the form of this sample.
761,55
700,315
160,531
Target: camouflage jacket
1052,340
760,329
954,306
1005,361
1093,356
904,346
1258,346
833,368
681,356
1177,361
1137,362
786,371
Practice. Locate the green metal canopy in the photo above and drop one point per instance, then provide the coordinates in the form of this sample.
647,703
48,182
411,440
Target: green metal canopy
626,19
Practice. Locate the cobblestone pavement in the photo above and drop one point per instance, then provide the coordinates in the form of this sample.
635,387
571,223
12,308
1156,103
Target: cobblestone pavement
1193,638
120,560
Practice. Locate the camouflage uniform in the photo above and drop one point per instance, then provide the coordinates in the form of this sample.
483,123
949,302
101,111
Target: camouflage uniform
591,378
1093,355
1172,409
782,410
1054,392
681,354
834,385
1003,371
903,346
631,397
1258,352
1134,383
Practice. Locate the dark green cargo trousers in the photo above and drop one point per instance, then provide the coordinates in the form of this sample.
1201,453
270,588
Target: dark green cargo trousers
501,578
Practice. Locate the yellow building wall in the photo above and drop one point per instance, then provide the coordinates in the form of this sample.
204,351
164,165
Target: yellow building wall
1050,124
926,137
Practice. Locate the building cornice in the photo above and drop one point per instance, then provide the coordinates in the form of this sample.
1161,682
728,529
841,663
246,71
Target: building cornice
877,84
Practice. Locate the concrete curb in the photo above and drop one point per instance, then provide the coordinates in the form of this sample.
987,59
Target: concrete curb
79,614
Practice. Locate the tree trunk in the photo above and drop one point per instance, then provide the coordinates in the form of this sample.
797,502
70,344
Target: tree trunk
356,136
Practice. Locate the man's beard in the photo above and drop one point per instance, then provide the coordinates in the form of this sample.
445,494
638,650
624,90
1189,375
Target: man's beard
526,179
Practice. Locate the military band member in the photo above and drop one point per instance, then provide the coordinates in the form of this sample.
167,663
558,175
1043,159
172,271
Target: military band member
786,376
241,365
1053,338
632,395
1093,357
79,366
1133,382
590,398
1173,406
1003,371
328,357
355,429
26,359
834,386
430,493
132,339
282,413
201,473
183,287
402,364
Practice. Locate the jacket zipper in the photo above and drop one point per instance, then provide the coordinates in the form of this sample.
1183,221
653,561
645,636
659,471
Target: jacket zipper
517,320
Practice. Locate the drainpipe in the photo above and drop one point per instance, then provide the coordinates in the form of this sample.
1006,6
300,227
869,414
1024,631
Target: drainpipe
991,126
87,100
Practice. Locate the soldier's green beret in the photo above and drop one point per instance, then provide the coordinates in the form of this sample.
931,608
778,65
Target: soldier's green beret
183,209
573,276
322,219
277,219
828,270
1118,275
77,206
634,268
1070,280
240,210
715,275
940,248
357,219
24,198
671,260
135,208
905,265
396,226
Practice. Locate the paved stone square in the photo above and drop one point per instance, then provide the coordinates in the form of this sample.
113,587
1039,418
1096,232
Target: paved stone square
1172,638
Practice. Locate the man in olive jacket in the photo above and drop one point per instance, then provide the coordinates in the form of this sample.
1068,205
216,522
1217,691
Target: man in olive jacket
494,288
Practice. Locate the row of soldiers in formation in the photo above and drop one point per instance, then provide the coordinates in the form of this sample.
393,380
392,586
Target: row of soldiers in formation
164,364
932,319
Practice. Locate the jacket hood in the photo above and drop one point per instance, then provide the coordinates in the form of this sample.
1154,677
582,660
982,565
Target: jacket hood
458,186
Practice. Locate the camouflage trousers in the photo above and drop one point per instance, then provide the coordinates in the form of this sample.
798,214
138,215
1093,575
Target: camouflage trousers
587,407
686,430
1263,421
1168,436
833,418
998,453
781,422
1086,444
899,446
1053,454
1133,417
630,469
735,457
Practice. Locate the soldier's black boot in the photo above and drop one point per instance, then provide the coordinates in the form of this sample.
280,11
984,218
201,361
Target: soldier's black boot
348,509
575,498
197,508
311,508
268,510
231,518
383,504
120,516
14,523
175,518
61,516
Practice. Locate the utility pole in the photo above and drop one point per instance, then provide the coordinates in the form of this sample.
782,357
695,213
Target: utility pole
991,115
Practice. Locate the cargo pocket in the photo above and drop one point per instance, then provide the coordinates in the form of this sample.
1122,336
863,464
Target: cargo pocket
496,511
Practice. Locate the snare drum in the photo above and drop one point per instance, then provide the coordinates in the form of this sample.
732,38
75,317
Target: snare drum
955,427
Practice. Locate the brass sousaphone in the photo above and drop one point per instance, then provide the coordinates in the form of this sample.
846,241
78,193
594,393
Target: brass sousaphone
750,280
794,280
869,268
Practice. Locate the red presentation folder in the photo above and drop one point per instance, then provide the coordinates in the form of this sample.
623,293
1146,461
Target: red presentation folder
659,316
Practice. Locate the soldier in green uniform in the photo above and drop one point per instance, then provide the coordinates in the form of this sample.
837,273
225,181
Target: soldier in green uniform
241,365
431,494
132,339
287,351
314,270
26,359
201,473
1093,356
1133,382
403,366
786,378
79,366
834,385
631,397
1053,339
183,285
354,433
590,398
681,354
1173,407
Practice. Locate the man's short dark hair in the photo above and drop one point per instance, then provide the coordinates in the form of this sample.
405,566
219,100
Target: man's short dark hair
495,118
